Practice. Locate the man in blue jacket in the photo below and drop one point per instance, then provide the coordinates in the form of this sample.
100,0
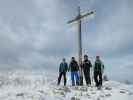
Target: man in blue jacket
62,71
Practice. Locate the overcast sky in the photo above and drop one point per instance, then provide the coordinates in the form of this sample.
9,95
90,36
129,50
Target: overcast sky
34,34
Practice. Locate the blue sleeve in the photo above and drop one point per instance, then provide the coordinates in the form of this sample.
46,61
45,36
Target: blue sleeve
60,68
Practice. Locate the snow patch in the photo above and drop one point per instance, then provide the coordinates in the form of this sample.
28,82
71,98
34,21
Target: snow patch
32,86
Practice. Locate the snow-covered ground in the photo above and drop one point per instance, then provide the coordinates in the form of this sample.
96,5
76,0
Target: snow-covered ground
31,86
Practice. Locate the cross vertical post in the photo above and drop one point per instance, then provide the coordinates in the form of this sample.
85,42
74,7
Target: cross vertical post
78,19
80,47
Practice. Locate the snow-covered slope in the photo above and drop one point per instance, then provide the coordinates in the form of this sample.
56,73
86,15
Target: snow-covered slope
31,86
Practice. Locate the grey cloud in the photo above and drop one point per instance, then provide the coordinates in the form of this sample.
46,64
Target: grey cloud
113,33
31,31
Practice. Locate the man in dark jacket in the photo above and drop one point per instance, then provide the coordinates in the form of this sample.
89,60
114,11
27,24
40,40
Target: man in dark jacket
74,68
86,68
62,71
98,71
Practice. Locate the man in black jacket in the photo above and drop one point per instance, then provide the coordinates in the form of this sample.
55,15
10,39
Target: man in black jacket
86,68
74,68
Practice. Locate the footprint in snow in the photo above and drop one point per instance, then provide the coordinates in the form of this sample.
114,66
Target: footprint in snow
84,89
75,98
19,94
108,95
123,92
108,88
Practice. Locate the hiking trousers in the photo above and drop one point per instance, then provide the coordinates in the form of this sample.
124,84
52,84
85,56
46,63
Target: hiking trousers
98,78
60,76
87,77
75,78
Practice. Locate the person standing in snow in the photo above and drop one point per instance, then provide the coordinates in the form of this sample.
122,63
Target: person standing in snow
98,71
74,68
62,71
86,69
